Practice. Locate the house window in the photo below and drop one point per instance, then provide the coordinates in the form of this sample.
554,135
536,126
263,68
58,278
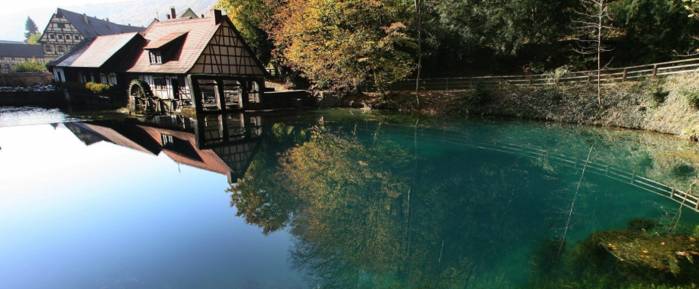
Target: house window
155,57
61,25
167,140
68,37
112,79
159,83
50,36
254,94
59,37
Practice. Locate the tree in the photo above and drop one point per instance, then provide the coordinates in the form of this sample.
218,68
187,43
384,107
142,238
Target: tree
345,45
504,26
418,16
252,18
590,26
31,31
653,30
692,6
34,38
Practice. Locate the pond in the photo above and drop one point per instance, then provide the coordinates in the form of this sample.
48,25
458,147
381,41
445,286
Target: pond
333,199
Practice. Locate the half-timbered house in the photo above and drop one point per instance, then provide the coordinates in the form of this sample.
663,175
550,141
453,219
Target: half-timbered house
224,144
190,62
67,29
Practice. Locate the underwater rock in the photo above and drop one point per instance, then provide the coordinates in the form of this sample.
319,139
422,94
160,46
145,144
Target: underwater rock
670,253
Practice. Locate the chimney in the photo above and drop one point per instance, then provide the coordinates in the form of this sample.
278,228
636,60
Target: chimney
85,18
168,16
218,17
173,14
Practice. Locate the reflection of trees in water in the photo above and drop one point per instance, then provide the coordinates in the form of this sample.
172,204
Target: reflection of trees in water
363,221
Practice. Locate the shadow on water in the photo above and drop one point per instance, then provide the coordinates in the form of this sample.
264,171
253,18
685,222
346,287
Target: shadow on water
375,202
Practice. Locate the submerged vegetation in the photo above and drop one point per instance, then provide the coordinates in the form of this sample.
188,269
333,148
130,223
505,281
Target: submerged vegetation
372,205
644,255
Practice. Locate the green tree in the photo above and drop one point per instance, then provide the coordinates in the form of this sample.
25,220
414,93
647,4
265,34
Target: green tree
504,26
654,30
34,38
30,31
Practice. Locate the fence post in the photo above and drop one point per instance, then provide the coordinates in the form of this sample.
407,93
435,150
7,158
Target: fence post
626,73
655,70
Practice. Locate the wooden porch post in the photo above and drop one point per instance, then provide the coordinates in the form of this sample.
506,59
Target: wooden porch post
196,94
245,97
221,96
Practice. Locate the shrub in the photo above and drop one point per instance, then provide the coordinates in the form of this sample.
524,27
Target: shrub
554,77
30,66
97,88
480,95
657,93
692,98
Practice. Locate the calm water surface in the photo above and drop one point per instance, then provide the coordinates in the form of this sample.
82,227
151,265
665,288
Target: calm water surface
326,199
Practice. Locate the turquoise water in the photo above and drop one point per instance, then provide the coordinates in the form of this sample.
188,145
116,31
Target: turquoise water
323,199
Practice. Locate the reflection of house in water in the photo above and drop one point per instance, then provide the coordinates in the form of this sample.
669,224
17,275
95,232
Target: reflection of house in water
224,144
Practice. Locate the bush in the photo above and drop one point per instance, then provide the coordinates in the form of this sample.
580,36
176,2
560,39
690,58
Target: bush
30,66
97,88
481,94
658,94
692,98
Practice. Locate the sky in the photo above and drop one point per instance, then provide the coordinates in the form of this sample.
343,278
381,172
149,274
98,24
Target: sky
135,12
40,11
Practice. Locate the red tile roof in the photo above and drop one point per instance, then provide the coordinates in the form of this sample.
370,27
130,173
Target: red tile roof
97,52
192,35
199,33
165,40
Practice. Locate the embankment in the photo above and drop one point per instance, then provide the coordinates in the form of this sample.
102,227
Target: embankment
668,105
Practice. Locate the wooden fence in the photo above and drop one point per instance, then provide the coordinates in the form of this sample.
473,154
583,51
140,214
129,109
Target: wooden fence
682,198
608,75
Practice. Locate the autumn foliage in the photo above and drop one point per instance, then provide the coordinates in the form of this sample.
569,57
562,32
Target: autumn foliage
339,45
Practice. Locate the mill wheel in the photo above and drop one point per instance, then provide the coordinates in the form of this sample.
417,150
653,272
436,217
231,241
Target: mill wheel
141,97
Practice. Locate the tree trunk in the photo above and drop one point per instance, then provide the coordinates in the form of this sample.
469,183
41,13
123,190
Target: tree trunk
599,52
418,15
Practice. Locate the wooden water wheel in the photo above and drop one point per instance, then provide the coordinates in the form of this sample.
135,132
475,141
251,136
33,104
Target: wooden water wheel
141,97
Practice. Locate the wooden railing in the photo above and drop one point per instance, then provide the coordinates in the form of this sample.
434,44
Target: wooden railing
684,199
608,75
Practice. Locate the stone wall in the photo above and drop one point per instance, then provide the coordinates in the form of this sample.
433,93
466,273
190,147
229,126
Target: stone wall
25,79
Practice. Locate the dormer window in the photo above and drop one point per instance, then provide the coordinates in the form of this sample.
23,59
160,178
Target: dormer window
155,57
165,48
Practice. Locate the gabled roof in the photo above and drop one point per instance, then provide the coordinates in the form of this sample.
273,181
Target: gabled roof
192,36
199,33
21,50
189,13
165,40
94,26
97,52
